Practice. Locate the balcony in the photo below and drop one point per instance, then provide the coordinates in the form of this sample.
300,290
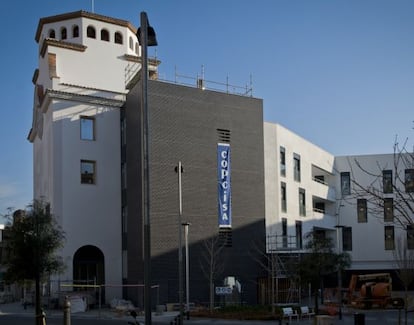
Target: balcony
321,189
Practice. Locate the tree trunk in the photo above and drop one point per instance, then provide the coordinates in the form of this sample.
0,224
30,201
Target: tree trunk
38,303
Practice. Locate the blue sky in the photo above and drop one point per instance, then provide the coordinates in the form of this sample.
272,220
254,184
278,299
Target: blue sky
340,73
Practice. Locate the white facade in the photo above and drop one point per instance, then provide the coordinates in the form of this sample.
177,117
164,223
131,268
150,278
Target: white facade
83,72
370,243
317,182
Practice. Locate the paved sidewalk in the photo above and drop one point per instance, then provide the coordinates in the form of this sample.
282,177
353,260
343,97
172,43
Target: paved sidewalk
372,317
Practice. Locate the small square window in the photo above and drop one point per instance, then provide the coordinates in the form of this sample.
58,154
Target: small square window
88,170
87,128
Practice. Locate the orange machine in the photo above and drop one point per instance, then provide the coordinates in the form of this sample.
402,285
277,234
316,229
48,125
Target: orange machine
367,290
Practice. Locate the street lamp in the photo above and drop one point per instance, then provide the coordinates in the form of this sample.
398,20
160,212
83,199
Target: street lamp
187,269
146,37
179,171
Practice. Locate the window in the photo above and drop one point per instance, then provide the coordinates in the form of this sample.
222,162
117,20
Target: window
296,167
299,234
75,31
131,43
388,210
409,180
63,33
347,239
104,35
410,236
282,161
88,172
362,210
118,38
284,232
283,196
345,183
90,32
87,128
387,181
389,237
52,33
302,202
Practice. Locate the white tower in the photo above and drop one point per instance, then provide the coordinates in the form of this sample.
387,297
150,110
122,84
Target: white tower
85,63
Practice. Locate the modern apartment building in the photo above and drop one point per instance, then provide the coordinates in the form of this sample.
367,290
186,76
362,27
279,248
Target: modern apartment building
86,137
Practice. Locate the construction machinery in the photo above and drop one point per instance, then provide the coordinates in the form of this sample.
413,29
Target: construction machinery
368,290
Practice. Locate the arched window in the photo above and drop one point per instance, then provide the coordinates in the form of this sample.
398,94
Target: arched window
63,33
75,31
118,38
131,43
52,33
90,32
104,35
136,48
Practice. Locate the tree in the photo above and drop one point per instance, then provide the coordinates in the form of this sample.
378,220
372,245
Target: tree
320,260
394,195
34,238
211,263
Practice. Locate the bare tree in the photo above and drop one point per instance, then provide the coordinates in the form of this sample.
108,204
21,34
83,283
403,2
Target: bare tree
404,258
212,264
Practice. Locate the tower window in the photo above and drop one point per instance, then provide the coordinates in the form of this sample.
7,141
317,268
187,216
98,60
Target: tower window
131,43
91,32
88,171
104,35
75,31
63,33
118,38
52,33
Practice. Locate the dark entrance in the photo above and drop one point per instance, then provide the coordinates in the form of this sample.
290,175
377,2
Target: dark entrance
89,271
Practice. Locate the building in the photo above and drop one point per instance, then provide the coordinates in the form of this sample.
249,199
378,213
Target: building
87,160
86,136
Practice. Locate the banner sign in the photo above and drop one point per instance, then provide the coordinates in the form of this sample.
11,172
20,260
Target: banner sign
224,185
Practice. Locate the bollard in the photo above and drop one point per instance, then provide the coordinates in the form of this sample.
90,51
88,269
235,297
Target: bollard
66,311
359,319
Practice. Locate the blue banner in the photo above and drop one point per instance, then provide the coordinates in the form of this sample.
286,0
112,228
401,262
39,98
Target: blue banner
224,185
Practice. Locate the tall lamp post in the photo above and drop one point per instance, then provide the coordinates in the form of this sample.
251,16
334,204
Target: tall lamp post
179,170
146,37
187,269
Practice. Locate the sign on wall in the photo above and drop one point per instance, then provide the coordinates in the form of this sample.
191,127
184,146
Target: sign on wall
224,185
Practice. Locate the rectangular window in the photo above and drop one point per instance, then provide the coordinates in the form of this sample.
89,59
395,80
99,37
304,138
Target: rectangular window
284,232
410,236
362,210
87,128
345,183
389,237
88,170
299,234
282,161
387,181
302,202
347,238
388,210
296,167
409,180
283,196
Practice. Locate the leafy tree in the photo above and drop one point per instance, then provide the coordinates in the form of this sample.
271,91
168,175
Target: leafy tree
320,260
34,238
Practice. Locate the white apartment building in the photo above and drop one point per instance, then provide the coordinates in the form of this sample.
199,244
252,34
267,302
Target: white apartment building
308,188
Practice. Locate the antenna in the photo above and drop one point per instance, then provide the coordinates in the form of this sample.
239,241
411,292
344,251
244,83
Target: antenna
93,6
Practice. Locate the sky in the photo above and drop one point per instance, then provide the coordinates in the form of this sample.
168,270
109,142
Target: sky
340,73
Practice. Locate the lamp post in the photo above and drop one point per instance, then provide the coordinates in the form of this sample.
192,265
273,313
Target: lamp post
179,170
187,269
146,37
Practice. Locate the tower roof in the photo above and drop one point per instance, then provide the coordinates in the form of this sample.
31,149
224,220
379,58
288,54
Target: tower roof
79,14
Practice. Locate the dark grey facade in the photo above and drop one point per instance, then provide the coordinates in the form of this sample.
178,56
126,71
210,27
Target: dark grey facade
185,125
